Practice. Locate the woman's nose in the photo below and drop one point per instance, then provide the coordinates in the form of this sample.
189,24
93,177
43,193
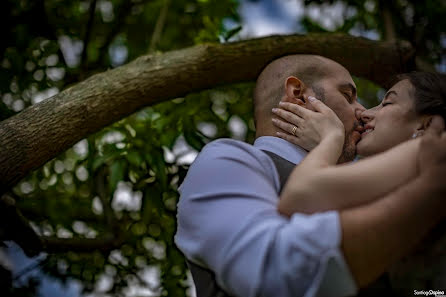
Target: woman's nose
358,113
368,115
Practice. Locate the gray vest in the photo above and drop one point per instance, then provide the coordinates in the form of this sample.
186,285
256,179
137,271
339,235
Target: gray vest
204,279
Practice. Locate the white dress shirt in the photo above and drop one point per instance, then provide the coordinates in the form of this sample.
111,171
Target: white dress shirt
228,222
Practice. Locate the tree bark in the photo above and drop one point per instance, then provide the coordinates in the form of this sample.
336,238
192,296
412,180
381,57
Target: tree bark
159,26
42,131
389,27
105,243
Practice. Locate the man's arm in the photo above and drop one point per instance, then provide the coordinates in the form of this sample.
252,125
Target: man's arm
228,223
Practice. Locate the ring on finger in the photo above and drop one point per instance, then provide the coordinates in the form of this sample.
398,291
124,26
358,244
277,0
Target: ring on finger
294,130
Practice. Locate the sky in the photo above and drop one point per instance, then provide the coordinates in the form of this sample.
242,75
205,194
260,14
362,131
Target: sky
269,17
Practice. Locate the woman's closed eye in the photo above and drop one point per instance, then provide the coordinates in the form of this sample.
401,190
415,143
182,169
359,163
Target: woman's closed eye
385,103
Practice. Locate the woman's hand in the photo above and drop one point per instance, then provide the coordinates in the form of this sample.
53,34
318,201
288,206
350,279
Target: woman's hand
307,128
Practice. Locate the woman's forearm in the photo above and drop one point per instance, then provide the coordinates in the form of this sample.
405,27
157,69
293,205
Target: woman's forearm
338,187
323,155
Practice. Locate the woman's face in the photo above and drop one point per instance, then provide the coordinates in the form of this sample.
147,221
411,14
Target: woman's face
391,122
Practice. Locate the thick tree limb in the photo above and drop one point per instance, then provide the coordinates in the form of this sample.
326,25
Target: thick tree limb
105,243
41,132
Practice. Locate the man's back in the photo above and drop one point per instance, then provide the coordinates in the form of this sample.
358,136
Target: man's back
228,223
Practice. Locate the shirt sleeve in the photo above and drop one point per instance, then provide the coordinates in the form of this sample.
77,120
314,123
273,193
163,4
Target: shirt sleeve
228,222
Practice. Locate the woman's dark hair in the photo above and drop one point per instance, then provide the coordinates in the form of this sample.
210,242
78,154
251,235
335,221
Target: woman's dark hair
429,92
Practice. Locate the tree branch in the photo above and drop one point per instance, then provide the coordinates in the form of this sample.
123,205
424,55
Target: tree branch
389,27
159,26
105,200
87,35
44,130
123,12
105,243
13,226
38,214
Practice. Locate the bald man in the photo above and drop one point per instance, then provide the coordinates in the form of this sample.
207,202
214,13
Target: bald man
235,241
296,77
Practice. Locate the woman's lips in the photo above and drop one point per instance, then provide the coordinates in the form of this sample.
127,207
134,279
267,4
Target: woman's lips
366,131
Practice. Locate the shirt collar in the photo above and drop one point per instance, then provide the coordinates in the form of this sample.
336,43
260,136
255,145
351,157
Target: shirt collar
281,147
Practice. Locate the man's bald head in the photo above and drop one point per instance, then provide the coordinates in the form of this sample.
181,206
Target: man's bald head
270,85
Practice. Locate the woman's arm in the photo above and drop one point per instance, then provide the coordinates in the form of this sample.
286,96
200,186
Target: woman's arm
348,185
321,131
317,185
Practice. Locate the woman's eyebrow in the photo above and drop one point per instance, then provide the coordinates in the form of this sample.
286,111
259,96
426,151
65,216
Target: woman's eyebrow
390,93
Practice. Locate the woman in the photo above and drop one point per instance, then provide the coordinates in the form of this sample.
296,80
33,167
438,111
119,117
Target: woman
390,141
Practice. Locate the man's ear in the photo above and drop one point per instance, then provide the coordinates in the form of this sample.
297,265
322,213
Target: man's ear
294,90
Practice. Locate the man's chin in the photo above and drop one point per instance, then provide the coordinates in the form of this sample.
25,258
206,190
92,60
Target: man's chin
350,148
348,153
346,157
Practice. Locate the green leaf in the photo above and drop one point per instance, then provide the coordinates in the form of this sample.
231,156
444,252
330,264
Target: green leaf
97,162
134,158
160,169
194,140
228,34
117,173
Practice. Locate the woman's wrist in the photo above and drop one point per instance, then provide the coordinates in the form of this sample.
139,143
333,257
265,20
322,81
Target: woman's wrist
336,138
330,148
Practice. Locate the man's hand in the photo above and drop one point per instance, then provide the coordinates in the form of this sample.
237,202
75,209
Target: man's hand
432,149
432,157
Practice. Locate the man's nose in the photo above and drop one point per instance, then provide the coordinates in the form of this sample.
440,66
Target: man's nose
359,110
